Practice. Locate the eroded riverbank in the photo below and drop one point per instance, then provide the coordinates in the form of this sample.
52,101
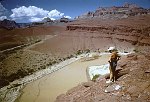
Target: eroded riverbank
70,73
49,87
11,92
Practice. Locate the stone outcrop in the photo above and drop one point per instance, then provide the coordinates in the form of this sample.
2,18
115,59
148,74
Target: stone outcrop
8,24
115,12
123,33
122,30
132,86
65,20
47,19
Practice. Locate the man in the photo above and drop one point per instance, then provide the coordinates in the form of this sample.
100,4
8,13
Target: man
112,66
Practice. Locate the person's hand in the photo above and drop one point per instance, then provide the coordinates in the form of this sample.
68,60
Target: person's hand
118,58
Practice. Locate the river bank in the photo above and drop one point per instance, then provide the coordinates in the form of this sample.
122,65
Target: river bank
132,85
49,87
12,91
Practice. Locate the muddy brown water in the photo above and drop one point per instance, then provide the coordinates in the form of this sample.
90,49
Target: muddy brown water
47,88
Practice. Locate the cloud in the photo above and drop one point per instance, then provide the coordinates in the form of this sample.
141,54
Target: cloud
30,11
53,19
55,13
3,10
34,14
67,17
35,19
2,18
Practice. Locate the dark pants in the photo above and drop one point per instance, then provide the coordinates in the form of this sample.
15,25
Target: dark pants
112,69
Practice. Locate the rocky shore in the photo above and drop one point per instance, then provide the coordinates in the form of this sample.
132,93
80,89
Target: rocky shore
132,85
11,92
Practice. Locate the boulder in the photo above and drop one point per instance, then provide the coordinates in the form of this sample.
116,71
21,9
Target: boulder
113,87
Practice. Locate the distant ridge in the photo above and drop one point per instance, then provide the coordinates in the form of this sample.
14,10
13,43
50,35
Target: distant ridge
8,24
115,12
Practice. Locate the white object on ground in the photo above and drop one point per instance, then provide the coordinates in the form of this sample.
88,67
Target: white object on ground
117,87
106,91
101,70
93,54
108,81
120,53
111,48
113,87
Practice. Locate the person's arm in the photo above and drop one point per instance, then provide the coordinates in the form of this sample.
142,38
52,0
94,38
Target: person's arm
109,60
118,57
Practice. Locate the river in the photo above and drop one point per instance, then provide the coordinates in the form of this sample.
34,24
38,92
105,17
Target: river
47,88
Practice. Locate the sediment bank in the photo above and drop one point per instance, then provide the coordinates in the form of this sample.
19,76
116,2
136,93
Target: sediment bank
11,92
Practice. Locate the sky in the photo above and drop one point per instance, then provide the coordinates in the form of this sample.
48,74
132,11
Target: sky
35,10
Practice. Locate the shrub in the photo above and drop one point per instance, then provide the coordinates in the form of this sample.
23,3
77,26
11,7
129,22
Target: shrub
19,74
49,64
22,73
37,41
54,62
87,50
114,50
30,71
64,59
79,52
60,59
95,77
71,56
135,50
3,82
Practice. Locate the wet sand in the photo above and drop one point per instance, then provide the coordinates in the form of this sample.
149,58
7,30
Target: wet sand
49,87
